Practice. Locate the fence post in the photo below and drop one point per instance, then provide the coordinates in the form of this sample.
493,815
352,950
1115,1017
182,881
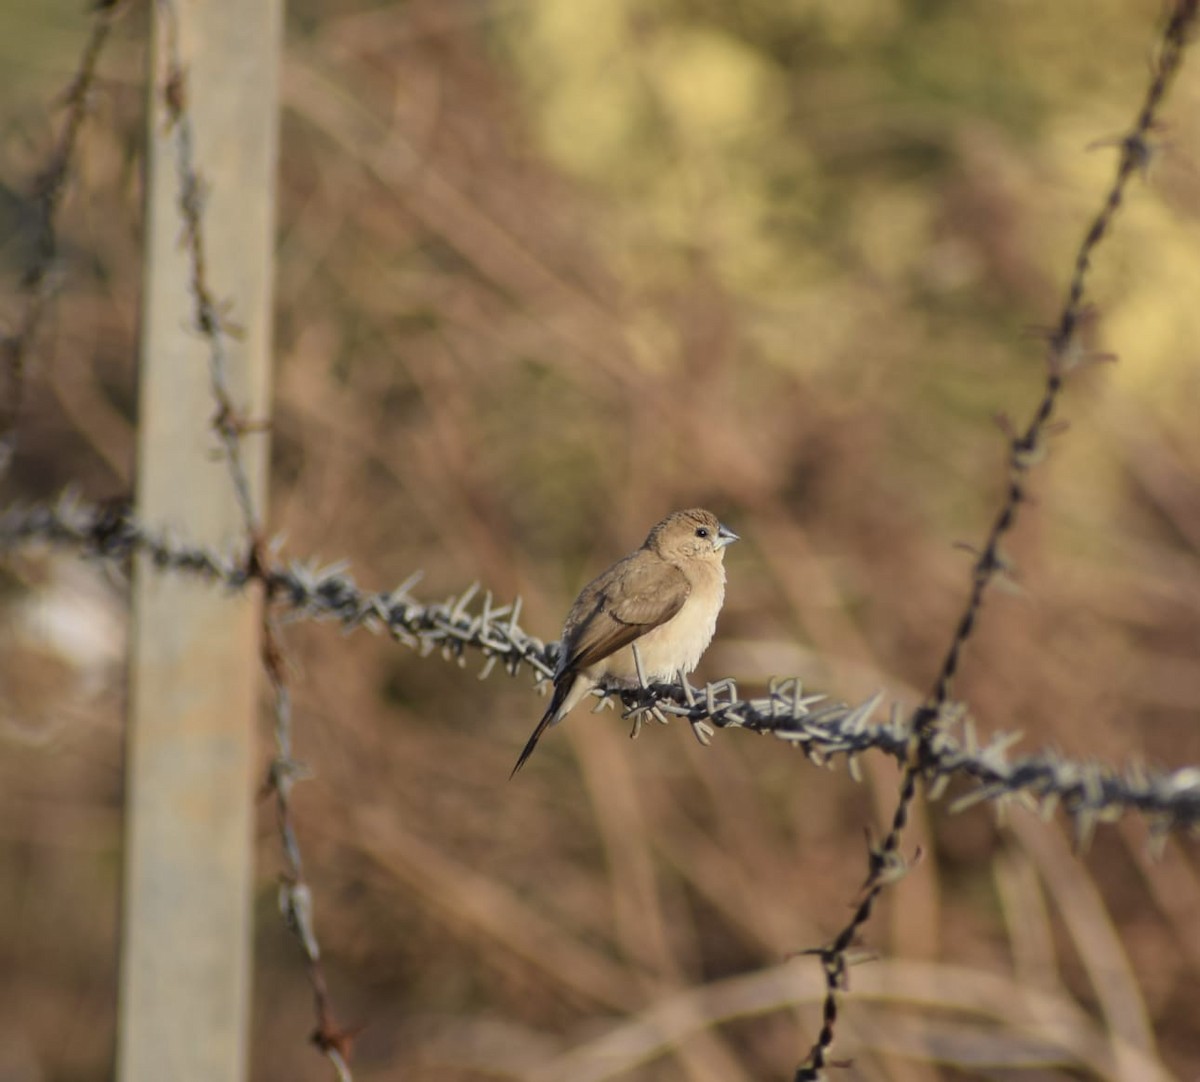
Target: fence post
194,664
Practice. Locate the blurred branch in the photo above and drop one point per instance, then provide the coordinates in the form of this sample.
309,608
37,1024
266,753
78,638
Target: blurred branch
471,624
37,283
1026,448
981,1023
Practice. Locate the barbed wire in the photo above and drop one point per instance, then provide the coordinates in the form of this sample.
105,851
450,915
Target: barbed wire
231,425
211,317
936,744
37,283
1066,353
471,623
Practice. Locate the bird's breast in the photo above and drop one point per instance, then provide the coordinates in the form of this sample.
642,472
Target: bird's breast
676,644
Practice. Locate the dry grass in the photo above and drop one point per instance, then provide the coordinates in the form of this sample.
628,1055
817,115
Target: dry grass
536,286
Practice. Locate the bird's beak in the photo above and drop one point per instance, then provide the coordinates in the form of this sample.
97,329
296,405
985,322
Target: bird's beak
725,536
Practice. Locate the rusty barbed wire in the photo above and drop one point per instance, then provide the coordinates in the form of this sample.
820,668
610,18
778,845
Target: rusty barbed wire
472,623
231,425
1025,449
37,283
211,319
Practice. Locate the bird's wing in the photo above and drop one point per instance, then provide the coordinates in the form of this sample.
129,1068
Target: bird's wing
632,597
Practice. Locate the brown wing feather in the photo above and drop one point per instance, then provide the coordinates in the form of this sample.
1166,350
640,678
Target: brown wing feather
634,596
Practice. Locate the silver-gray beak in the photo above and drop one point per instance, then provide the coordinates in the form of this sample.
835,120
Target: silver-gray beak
725,536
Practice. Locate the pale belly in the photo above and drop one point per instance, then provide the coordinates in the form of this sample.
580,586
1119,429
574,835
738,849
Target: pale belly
677,644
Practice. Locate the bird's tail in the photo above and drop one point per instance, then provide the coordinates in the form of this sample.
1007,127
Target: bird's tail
551,715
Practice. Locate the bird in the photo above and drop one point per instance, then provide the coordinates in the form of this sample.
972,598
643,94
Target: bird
663,598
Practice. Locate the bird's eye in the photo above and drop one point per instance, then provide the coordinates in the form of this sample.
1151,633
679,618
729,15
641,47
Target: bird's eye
702,532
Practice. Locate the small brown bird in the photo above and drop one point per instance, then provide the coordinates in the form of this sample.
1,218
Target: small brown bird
664,597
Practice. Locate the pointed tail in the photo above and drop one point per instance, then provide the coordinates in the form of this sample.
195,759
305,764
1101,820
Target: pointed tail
548,718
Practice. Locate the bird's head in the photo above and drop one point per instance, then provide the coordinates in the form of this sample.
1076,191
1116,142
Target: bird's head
691,535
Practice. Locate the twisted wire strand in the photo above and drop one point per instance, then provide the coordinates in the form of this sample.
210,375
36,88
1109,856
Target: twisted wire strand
231,426
1026,448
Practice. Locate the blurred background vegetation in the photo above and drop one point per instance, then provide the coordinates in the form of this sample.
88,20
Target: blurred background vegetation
547,270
